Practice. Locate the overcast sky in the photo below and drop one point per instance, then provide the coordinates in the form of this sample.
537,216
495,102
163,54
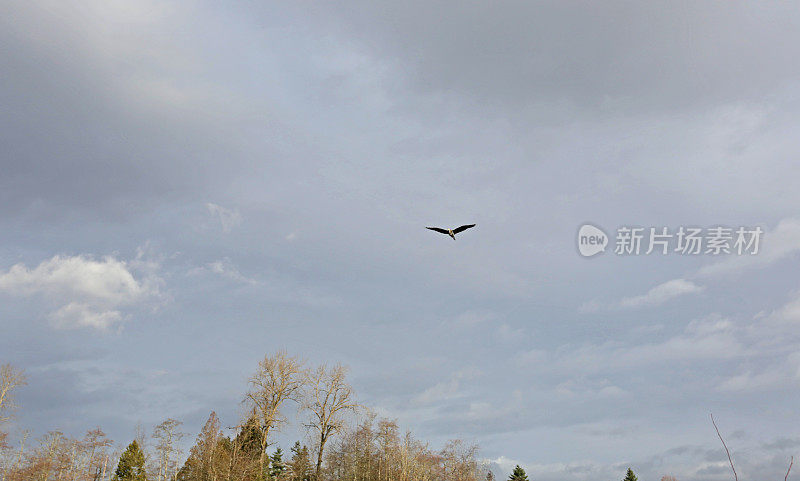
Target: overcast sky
187,186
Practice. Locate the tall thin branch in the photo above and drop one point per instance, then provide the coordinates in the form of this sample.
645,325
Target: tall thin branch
788,470
726,448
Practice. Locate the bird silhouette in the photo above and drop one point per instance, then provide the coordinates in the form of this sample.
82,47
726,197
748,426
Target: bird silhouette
452,232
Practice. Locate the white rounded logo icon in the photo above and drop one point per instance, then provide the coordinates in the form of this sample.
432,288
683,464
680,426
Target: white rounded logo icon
591,240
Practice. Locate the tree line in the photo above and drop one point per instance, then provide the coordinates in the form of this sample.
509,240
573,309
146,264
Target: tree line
345,441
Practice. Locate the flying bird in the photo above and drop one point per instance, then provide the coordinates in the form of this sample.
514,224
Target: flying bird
452,232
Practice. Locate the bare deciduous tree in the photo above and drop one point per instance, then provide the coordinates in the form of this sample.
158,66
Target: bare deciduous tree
458,461
370,452
328,398
10,378
167,435
277,380
95,445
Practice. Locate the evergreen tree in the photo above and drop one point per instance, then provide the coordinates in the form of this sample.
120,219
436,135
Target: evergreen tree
248,439
246,452
277,467
518,474
300,464
131,464
630,476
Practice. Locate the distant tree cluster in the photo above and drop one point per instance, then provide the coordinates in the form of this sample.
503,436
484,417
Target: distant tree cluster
57,456
375,450
340,448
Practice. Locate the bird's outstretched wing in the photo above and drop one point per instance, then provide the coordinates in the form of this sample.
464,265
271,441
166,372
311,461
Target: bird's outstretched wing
443,231
463,228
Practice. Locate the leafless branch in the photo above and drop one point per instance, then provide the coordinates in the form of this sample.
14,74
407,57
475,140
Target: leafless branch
726,448
788,470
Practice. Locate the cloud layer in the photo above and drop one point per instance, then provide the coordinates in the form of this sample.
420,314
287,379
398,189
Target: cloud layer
280,160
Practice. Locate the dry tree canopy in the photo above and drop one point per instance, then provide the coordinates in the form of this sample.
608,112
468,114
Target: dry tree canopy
10,379
344,441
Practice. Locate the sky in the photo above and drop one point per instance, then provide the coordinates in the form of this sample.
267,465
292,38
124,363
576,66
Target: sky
187,186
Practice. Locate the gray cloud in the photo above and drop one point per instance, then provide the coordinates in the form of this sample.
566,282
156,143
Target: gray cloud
338,132
228,218
616,57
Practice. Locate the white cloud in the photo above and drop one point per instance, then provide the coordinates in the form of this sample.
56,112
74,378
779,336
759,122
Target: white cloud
531,358
783,372
775,245
775,335
471,319
270,284
482,412
225,268
592,306
654,297
701,340
749,381
788,313
88,291
504,464
77,314
228,218
592,389
661,294
577,470
445,390
506,333
438,392
710,338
